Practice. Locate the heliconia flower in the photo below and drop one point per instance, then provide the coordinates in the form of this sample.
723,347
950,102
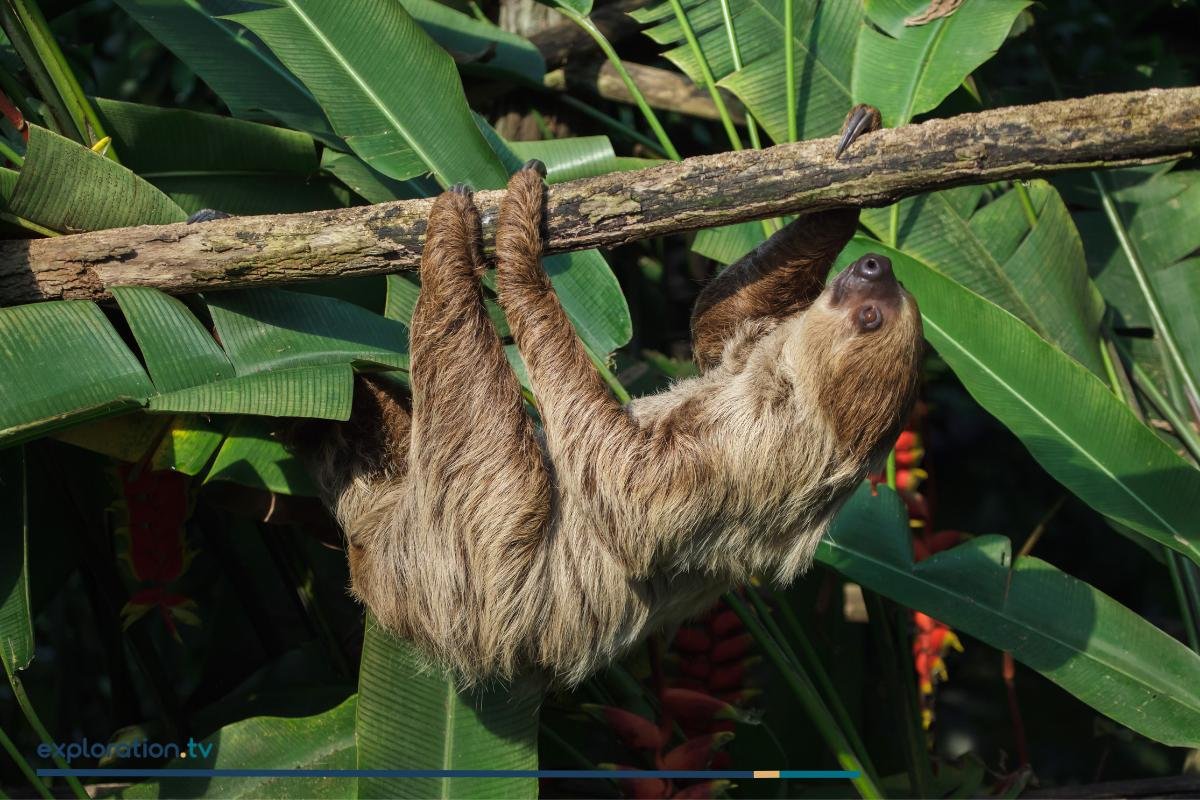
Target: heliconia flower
909,458
731,676
634,730
691,707
725,623
907,440
729,649
908,480
696,752
692,640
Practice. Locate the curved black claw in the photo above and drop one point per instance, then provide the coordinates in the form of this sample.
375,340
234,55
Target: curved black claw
208,215
537,165
462,188
861,119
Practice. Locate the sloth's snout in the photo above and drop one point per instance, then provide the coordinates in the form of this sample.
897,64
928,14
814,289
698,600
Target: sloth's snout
869,276
872,268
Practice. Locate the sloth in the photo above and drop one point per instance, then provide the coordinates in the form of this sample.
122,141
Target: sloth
500,547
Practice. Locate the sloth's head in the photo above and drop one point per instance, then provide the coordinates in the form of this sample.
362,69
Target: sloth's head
863,337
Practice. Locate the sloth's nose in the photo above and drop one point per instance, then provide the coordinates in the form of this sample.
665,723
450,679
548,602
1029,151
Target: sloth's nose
872,267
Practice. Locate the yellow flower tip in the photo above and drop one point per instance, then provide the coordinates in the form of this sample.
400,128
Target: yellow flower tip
101,146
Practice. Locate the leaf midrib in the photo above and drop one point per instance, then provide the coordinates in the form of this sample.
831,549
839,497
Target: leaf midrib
1187,545
362,84
992,611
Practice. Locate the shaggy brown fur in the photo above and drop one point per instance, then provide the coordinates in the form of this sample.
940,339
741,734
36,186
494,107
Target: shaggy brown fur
496,547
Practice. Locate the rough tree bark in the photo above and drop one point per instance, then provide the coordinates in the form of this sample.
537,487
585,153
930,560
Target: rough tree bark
882,167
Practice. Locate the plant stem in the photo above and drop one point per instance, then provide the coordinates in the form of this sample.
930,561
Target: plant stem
1161,327
64,83
813,665
1026,203
789,67
735,52
35,722
23,765
818,712
898,674
8,152
710,82
614,59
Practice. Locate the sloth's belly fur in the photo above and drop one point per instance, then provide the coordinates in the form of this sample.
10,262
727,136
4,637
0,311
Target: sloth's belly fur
567,604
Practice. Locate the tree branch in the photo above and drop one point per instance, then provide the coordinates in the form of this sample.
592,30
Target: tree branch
1024,141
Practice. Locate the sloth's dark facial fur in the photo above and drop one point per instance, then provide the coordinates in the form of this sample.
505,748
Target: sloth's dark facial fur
498,547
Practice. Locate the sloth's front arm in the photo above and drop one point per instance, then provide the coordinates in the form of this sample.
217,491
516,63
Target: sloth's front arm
635,479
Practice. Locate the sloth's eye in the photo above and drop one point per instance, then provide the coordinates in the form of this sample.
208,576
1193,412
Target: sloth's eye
869,318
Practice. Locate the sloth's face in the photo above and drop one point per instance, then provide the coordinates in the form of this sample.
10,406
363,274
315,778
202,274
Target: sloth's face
863,336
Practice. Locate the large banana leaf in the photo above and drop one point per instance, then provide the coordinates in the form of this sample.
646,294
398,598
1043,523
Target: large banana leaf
1091,645
239,69
1072,423
252,456
390,91
1034,270
1160,214
63,363
208,161
478,44
66,187
412,716
905,70
321,742
16,621
823,37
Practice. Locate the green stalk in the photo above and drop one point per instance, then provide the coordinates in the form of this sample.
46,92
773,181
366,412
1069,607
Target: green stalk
898,673
710,82
769,226
44,735
789,66
1159,319
735,51
8,152
23,765
58,117
65,85
818,712
614,59
813,665
1185,575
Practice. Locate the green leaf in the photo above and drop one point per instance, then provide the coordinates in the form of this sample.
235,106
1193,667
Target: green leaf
1075,427
321,392
66,187
178,351
321,742
239,69
1036,272
1078,637
63,363
388,89
571,158
726,245
208,161
824,37
908,70
412,716
16,621
253,457
372,186
482,45
265,329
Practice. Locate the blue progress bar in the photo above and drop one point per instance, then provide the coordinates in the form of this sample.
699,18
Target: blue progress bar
676,774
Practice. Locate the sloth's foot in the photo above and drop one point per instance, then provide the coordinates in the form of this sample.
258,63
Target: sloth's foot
861,119
536,165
